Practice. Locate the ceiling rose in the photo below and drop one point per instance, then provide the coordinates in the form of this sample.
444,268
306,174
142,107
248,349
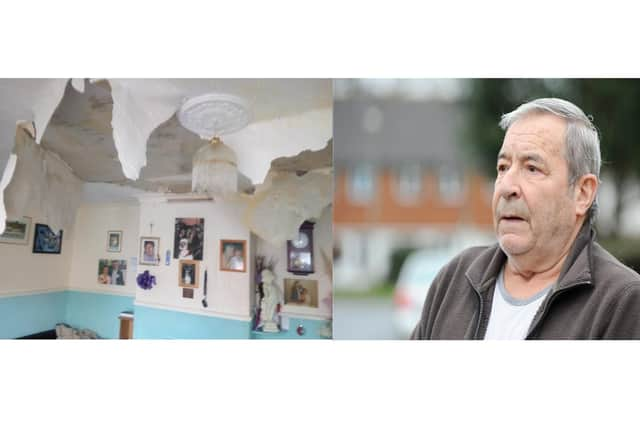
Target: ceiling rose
214,114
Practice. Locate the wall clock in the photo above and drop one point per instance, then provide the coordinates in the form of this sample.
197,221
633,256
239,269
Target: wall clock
300,251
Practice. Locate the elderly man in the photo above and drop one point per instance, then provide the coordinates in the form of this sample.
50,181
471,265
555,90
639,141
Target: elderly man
546,278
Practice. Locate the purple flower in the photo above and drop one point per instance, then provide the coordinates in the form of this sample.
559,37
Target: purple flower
146,280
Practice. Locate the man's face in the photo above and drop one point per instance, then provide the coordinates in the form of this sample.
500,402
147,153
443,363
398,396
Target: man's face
533,210
148,249
115,265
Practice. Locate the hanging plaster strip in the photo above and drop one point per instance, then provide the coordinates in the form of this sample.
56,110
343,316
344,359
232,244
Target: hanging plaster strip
260,142
45,105
43,185
285,201
78,84
6,178
34,100
139,106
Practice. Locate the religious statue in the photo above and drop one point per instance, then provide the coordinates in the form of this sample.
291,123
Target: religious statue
272,297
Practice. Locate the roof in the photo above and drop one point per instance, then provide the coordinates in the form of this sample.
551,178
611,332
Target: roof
395,131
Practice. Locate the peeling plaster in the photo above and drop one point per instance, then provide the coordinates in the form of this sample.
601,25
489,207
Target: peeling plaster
139,106
4,182
78,84
43,186
142,105
285,201
32,100
260,142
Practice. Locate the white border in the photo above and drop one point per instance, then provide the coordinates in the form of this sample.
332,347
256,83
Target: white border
102,291
30,292
199,312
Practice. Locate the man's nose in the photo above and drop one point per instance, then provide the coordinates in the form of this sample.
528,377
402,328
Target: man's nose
508,185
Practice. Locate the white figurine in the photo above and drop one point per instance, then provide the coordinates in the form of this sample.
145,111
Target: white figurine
272,296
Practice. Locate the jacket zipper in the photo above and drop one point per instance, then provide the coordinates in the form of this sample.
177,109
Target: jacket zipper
548,304
480,310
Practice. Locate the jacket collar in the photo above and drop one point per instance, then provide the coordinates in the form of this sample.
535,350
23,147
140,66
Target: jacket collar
484,270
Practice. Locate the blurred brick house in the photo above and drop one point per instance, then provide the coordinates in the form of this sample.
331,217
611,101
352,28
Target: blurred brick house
403,180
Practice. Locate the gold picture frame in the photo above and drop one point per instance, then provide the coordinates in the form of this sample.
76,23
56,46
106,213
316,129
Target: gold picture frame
188,273
233,255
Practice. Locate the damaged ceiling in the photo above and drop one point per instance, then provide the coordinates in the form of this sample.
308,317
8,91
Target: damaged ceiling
124,132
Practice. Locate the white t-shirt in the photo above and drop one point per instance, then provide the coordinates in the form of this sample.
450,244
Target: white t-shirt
511,317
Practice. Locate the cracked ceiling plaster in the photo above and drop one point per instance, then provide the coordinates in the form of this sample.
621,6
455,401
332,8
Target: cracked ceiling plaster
111,131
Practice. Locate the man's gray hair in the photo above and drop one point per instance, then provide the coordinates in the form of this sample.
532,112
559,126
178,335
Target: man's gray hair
582,140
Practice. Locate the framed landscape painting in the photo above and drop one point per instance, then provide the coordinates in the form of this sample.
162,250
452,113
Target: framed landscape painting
16,231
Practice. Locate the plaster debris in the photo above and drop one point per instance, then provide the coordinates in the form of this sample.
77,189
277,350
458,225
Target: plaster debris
261,142
4,182
306,160
43,186
32,100
289,116
285,201
78,84
139,106
297,188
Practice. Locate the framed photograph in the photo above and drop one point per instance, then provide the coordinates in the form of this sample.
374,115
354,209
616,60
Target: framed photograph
149,251
301,292
16,231
114,241
233,255
188,274
45,242
300,251
188,239
112,272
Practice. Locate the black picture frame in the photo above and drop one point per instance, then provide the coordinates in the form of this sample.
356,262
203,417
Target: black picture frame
299,255
45,241
188,239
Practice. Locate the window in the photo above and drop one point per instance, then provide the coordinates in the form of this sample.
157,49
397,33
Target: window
408,183
361,184
450,185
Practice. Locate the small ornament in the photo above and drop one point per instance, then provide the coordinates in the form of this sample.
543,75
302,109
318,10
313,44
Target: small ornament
300,330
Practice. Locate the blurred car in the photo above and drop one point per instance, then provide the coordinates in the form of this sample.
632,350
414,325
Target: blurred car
414,280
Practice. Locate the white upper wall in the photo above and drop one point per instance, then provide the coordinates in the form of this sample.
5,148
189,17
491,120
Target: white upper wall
24,272
93,222
228,292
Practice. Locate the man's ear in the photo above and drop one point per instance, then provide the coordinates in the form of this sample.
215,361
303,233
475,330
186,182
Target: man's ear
585,191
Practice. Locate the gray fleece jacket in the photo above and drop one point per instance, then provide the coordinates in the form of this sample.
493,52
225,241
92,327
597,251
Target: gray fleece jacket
596,296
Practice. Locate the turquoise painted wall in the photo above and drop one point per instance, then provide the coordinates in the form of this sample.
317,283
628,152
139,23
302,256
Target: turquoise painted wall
312,330
155,323
98,312
25,315
29,314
